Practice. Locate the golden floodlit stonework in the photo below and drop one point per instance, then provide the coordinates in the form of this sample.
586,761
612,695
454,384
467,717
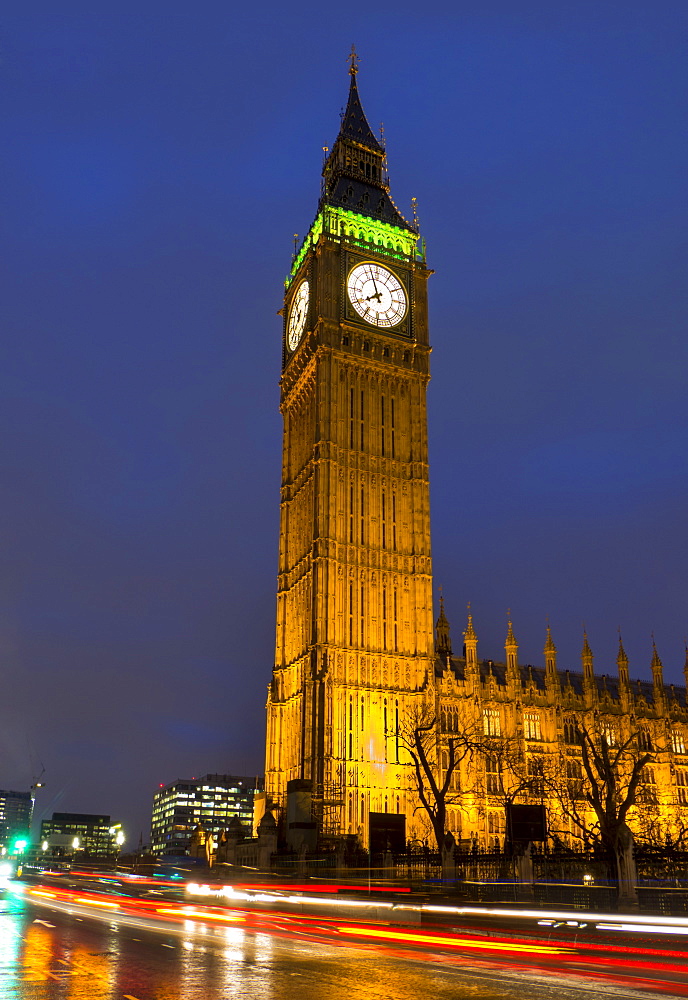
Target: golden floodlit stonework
356,652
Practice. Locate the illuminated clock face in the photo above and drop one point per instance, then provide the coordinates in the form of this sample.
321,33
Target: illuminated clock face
298,312
376,294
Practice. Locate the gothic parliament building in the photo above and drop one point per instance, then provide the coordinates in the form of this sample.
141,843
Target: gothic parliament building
356,650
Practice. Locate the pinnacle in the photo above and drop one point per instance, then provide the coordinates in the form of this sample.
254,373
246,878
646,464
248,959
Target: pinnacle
443,644
354,122
469,631
549,644
586,652
656,662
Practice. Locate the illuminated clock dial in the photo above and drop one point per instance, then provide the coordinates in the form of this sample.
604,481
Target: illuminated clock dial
298,313
376,294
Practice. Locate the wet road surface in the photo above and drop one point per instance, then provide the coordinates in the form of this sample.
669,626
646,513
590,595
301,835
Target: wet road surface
53,952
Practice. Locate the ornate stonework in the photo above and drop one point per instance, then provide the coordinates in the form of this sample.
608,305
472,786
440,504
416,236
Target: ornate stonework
355,653
354,583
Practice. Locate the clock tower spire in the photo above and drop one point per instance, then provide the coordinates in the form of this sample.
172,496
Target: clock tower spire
354,641
355,175
354,122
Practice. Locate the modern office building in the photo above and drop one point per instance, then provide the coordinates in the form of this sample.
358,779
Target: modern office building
15,817
69,832
213,801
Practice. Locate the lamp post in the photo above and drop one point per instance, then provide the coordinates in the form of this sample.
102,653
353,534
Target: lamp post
118,838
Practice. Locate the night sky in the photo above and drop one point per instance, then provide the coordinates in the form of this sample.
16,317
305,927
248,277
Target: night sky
155,169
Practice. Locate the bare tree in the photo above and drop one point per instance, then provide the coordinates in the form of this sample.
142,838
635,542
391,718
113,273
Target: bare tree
659,837
436,758
596,790
496,765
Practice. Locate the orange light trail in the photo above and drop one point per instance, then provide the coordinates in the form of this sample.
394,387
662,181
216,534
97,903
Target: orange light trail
316,887
452,942
199,915
96,902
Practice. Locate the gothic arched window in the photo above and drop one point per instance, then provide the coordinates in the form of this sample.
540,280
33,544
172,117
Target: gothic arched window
571,736
645,740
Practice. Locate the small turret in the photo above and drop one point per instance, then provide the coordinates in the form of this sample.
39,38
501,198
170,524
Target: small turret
657,677
511,649
685,667
624,680
588,673
622,664
550,652
470,644
443,645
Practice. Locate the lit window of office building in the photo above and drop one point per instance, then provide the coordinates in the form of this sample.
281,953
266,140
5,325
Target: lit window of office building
15,817
69,832
213,801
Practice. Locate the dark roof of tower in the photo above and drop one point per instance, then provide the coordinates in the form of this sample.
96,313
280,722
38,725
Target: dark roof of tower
354,172
354,122
365,198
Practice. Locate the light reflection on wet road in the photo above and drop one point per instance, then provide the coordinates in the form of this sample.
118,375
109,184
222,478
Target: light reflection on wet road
49,955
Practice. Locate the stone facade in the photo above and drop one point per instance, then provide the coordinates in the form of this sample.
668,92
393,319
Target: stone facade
355,652
536,713
354,606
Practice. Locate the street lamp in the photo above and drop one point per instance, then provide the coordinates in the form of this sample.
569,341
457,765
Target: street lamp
118,838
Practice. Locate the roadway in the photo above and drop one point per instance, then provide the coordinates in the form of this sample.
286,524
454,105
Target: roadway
81,942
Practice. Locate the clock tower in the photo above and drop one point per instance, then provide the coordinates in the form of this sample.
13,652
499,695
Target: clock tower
354,644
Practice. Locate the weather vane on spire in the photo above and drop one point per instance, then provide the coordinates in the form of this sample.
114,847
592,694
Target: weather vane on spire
353,61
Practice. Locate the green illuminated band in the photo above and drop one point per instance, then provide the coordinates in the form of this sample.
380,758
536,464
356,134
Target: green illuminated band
392,241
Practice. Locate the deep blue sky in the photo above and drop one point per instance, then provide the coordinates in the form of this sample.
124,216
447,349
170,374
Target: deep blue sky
155,169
